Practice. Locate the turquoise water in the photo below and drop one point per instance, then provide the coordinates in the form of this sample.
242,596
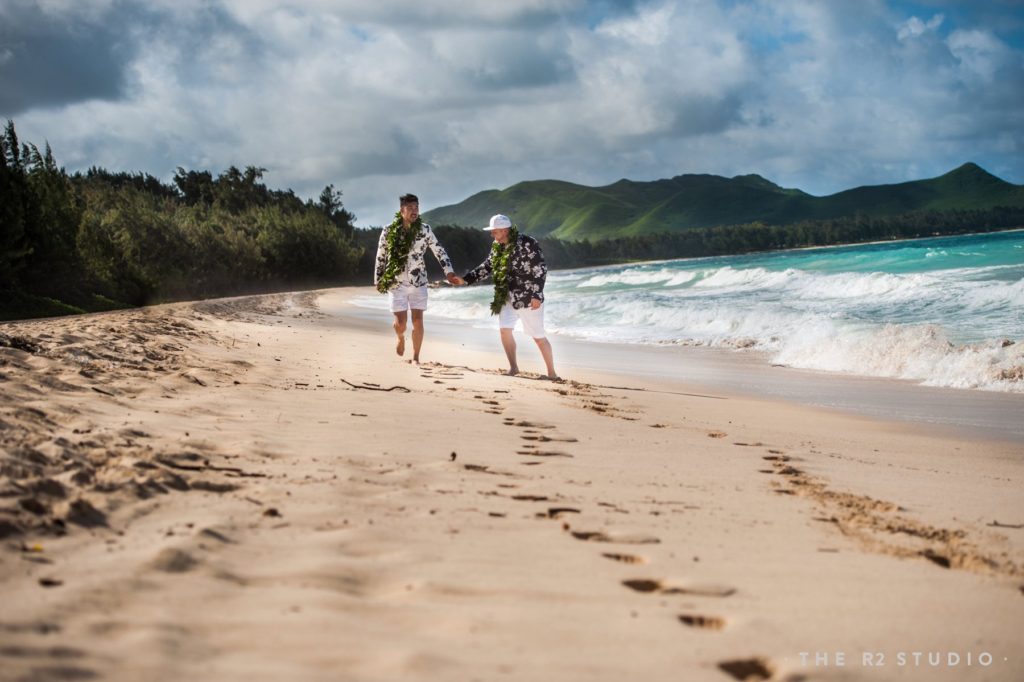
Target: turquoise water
944,312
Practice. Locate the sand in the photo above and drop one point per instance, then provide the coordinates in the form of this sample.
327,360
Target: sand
253,489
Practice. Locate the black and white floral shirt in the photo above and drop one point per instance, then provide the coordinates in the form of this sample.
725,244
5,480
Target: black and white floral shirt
415,272
526,272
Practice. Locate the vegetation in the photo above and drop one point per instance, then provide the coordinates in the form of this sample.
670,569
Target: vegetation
563,210
101,240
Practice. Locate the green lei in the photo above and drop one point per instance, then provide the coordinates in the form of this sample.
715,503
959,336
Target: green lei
501,254
397,243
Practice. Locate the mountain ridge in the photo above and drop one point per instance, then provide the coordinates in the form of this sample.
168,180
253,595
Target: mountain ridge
624,208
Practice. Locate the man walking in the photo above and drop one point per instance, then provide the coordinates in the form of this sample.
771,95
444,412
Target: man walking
401,271
516,265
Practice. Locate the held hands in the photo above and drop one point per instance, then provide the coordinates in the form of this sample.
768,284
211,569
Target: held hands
535,303
455,280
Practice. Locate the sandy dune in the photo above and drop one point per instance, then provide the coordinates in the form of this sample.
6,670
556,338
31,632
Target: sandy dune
251,489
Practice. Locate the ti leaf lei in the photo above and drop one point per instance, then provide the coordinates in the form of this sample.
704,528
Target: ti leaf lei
397,243
501,255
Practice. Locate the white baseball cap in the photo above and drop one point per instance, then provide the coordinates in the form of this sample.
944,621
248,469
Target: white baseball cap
499,222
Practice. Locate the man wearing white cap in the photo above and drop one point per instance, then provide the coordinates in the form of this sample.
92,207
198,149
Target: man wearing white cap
516,265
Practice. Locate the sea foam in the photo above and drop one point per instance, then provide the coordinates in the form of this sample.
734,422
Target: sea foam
940,312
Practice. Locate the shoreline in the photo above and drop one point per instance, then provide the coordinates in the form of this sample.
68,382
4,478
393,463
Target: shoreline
959,412
258,488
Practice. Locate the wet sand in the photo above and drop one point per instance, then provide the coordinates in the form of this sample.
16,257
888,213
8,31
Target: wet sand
989,415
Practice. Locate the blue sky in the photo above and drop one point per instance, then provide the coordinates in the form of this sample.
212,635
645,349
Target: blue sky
448,98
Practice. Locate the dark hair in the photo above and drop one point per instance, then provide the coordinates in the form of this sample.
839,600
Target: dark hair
408,199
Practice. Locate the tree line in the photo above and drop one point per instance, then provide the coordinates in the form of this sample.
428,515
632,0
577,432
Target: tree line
99,240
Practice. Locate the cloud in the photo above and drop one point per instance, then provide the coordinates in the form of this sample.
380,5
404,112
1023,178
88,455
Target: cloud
402,14
981,54
54,60
448,98
914,27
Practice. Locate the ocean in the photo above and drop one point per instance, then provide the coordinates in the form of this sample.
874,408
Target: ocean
943,312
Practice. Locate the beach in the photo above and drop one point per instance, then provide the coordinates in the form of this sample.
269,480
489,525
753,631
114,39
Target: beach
259,488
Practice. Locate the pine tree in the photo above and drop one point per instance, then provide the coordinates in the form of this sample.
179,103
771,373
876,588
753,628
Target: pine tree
14,245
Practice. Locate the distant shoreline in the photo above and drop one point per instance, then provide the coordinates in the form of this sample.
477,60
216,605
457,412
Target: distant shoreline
795,248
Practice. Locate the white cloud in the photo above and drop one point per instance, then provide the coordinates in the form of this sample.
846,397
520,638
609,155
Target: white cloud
914,27
980,53
445,99
403,13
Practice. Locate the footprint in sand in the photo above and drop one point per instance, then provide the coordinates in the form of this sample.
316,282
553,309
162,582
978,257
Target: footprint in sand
624,539
748,669
549,439
511,421
936,558
558,512
695,620
214,534
542,453
625,558
782,471
485,469
648,585
494,407
40,627
775,458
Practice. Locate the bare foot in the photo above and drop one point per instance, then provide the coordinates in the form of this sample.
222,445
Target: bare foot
551,377
512,372
400,348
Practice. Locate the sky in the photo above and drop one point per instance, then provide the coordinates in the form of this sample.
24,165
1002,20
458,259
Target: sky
451,97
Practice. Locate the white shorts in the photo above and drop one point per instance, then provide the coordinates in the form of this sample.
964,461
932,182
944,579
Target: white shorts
406,296
533,320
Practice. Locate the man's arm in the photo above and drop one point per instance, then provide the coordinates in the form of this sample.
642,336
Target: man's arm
441,255
538,269
481,271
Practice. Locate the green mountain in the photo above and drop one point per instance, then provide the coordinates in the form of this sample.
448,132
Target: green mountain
627,208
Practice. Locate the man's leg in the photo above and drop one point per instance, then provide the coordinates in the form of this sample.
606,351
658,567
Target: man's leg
400,319
533,324
417,333
509,343
549,360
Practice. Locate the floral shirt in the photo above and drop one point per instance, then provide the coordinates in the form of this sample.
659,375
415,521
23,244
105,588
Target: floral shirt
415,272
526,272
